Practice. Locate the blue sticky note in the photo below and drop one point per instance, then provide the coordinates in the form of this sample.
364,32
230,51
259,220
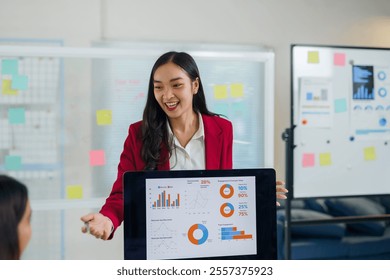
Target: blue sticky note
19,82
16,116
340,105
13,163
238,108
309,96
221,108
9,67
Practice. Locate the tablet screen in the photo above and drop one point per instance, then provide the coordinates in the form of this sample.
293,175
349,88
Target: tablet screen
200,217
200,214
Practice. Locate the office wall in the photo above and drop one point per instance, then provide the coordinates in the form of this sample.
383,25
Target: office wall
274,23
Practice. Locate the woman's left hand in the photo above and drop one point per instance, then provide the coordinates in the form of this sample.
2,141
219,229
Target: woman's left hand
280,191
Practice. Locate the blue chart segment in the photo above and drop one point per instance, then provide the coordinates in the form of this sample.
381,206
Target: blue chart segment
363,82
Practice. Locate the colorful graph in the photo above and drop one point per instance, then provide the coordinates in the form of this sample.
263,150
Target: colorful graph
226,191
193,239
363,82
164,201
231,233
227,210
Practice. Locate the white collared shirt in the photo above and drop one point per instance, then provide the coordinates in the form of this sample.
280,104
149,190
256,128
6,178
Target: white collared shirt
192,157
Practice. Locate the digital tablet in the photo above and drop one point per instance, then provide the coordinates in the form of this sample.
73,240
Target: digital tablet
200,214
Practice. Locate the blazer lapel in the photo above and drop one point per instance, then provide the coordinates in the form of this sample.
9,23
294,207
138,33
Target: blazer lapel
212,134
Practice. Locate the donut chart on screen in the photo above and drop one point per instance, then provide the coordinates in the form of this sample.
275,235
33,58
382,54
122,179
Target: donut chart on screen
226,191
193,239
227,210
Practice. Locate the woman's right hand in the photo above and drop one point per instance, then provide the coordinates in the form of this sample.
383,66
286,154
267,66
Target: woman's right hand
98,225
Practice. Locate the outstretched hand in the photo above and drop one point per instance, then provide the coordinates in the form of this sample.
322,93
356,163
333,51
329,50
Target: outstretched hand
97,225
280,191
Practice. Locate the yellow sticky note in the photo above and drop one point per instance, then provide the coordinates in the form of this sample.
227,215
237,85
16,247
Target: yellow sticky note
325,159
74,192
104,117
369,153
6,88
220,92
313,57
237,90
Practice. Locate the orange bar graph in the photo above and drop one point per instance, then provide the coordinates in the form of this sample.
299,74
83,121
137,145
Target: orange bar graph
243,236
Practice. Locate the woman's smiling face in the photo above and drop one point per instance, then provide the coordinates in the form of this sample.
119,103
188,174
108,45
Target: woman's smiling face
174,90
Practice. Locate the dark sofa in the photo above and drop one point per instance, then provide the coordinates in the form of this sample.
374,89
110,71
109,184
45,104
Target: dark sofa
364,240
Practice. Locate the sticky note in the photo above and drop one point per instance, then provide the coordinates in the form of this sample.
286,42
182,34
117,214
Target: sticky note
369,153
74,192
97,158
325,159
104,117
222,109
9,67
13,163
16,116
339,59
220,92
238,107
237,90
6,88
19,82
313,57
308,160
340,105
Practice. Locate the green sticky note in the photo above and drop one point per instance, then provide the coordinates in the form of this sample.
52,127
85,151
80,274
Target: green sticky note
13,163
220,92
9,67
16,116
340,105
74,192
325,159
369,153
19,82
237,90
221,108
104,117
313,57
6,88
239,108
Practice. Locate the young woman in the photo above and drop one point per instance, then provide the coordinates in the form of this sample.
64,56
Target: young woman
15,215
177,132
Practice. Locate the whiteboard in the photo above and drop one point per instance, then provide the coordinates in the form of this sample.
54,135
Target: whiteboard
237,81
65,112
340,121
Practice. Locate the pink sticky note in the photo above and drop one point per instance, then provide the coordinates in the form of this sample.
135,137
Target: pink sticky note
97,158
339,59
308,160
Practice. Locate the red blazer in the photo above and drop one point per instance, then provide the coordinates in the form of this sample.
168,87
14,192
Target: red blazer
218,149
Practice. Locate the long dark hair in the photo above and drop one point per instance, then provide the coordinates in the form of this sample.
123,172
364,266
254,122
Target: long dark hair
13,201
154,128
